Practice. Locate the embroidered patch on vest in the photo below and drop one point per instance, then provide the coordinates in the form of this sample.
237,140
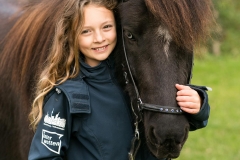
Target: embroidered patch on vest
54,121
52,141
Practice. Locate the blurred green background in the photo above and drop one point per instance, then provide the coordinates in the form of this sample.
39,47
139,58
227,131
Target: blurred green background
218,66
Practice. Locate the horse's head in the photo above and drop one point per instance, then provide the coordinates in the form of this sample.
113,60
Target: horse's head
159,38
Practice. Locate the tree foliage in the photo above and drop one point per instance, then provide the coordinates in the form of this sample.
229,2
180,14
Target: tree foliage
227,32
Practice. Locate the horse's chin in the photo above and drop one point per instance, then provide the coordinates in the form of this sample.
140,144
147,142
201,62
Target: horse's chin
170,148
163,151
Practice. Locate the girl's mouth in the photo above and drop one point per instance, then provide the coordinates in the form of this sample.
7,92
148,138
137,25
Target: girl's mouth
99,49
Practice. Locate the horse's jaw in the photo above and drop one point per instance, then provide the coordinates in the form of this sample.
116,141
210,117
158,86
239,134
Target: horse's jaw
167,142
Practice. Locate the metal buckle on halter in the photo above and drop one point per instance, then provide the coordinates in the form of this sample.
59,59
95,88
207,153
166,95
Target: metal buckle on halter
136,130
139,103
130,156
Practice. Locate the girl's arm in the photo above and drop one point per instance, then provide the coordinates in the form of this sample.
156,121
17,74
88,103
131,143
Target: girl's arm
52,136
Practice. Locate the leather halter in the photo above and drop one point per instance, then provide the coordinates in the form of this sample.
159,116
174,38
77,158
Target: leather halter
136,141
147,106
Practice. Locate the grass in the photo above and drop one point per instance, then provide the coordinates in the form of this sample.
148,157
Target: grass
220,140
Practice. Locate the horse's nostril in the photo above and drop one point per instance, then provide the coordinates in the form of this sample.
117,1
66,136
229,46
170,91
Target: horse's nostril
178,142
152,135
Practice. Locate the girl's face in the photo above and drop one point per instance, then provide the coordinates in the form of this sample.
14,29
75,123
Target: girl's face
98,36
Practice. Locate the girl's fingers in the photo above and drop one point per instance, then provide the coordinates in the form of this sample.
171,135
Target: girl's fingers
182,87
193,99
190,111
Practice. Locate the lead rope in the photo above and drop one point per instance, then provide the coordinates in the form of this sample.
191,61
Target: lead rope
136,141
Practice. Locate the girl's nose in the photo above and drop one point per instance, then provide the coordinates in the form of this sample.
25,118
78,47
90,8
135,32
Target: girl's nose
99,37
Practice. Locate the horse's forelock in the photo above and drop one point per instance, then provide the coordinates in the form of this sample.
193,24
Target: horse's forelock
132,10
186,20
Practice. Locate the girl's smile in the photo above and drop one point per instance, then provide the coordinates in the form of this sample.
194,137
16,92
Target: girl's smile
100,49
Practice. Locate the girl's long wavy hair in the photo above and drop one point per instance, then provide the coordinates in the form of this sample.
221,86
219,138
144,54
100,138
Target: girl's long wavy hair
62,60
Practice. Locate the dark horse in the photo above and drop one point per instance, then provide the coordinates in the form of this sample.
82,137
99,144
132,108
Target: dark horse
159,36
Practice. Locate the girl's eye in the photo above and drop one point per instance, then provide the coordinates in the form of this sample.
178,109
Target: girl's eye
107,26
85,31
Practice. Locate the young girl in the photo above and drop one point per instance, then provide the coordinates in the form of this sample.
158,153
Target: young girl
79,111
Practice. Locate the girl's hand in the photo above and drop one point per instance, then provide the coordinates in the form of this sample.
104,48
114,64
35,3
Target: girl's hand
188,99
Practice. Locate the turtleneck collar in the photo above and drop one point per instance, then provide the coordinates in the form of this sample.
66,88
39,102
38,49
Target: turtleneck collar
99,73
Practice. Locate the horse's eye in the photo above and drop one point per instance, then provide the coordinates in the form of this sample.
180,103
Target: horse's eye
129,35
